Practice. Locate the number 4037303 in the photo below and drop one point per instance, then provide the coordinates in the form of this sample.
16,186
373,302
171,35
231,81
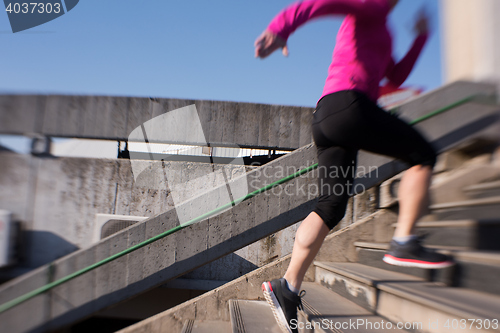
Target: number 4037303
34,8
466,324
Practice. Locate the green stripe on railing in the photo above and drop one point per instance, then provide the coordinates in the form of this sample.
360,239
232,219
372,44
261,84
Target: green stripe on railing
444,109
8,305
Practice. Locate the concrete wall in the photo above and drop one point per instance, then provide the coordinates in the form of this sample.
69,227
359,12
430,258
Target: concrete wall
161,261
471,40
114,118
56,199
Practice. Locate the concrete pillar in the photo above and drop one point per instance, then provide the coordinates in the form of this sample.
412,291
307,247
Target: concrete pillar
471,40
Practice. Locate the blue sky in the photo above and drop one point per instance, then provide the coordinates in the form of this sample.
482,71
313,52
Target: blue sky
188,49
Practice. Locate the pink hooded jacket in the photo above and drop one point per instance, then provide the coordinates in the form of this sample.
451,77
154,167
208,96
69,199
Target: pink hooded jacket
363,52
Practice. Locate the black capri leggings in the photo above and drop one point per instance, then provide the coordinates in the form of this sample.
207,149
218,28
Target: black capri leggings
345,122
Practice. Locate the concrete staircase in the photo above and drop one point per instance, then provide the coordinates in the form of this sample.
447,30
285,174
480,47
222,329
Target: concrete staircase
371,296
248,222
439,299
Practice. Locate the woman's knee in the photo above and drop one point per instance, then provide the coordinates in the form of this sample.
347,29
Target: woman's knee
311,231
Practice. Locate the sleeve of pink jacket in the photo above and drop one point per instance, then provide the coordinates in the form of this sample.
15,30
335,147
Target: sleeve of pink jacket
288,20
397,73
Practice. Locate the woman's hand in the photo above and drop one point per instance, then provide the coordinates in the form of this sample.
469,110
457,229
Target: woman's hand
269,42
422,23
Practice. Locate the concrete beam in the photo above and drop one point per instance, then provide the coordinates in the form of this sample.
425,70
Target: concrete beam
223,123
114,118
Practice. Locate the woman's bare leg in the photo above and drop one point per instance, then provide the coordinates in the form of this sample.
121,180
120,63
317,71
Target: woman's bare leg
413,198
308,241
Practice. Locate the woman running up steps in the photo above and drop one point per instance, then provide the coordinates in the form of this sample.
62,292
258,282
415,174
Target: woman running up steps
346,120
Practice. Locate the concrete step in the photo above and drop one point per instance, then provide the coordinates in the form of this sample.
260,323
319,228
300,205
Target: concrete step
326,311
405,298
355,286
252,316
482,208
206,326
473,234
468,203
483,190
371,254
476,270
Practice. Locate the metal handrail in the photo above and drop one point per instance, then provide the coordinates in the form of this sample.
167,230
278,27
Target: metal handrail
10,304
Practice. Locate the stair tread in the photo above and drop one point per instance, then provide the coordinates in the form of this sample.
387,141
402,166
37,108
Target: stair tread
463,302
467,203
483,186
256,316
459,253
485,257
326,308
366,274
208,326
385,247
454,223
460,301
372,245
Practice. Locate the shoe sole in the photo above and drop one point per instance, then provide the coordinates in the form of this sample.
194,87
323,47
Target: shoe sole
416,263
271,299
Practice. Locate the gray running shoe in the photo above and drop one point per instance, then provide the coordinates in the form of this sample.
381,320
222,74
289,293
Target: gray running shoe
284,303
413,254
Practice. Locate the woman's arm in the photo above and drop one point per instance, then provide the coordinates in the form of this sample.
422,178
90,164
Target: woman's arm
287,21
397,73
